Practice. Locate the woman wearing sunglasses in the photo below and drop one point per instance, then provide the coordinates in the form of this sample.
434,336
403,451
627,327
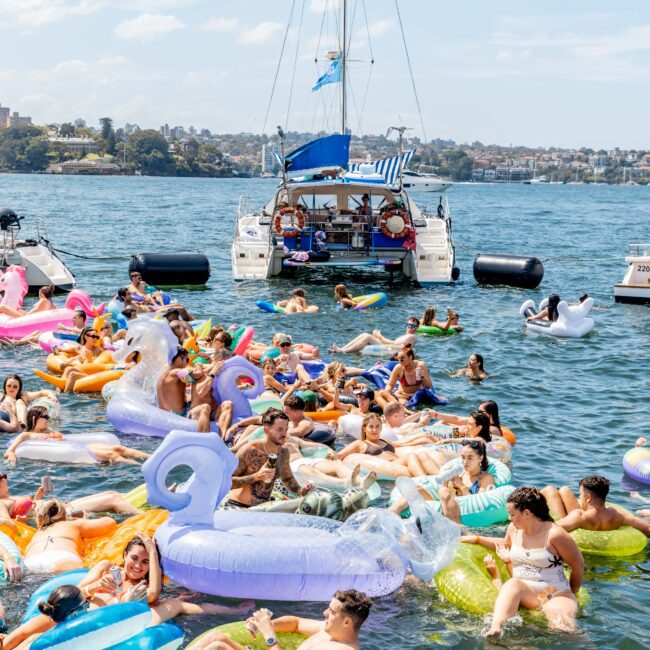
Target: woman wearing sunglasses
409,375
377,338
38,428
90,348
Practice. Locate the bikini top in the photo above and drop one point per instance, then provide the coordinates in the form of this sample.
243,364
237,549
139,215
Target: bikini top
376,450
404,382
52,435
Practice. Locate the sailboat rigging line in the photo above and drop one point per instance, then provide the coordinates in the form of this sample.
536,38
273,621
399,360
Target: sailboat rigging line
277,70
320,34
88,257
295,63
408,59
365,17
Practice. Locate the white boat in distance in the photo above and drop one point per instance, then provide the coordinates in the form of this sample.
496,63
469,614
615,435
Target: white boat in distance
635,287
422,182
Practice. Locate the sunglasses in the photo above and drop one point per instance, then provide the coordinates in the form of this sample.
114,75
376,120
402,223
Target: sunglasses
282,345
474,444
92,336
411,324
44,417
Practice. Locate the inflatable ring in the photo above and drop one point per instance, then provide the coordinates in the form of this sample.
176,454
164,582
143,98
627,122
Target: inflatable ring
508,435
370,301
12,549
270,307
432,330
21,536
636,464
285,232
383,224
238,633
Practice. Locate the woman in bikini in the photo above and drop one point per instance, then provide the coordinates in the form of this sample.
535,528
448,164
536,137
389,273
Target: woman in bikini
535,551
409,375
38,422
44,303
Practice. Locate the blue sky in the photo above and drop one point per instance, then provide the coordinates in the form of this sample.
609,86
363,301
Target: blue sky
550,73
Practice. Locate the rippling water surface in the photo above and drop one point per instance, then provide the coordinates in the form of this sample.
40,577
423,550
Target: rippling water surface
575,405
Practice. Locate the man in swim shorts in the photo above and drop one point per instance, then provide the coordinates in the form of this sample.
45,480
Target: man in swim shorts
343,618
289,361
261,462
590,511
202,395
171,390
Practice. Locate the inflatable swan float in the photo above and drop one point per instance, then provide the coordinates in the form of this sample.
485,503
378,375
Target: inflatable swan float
572,319
275,556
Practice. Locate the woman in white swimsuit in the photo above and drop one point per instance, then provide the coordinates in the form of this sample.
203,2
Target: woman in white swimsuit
535,551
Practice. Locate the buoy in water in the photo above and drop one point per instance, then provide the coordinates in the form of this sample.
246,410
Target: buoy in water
513,270
168,269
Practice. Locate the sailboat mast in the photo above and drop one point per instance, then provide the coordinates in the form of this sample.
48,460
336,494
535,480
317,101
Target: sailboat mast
344,66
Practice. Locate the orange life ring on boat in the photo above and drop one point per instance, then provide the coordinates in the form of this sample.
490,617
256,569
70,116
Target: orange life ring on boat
285,232
383,224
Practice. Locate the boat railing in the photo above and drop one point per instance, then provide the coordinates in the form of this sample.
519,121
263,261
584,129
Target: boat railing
639,250
244,203
439,211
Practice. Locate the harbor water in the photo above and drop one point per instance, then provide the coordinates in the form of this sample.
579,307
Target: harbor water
576,405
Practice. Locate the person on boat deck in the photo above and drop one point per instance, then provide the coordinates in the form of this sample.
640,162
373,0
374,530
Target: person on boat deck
44,303
550,311
171,390
343,618
142,292
365,209
473,370
377,338
261,462
590,511
429,319
78,323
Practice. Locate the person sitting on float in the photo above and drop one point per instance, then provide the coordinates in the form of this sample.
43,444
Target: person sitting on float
141,292
590,512
377,338
38,428
409,376
78,323
44,303
429,319
549,312
473,370
535,550
13,400
488,407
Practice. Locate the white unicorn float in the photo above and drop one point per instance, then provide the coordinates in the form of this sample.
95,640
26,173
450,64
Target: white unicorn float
572,320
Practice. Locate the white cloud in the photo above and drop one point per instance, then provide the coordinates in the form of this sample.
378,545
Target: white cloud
146,27
261,33
35,13
75,67
220,25
112,60
380,27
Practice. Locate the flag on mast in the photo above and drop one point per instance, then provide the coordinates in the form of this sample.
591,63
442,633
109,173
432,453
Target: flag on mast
331,76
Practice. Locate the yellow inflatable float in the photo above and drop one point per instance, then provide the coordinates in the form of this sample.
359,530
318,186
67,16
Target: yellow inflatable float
238,633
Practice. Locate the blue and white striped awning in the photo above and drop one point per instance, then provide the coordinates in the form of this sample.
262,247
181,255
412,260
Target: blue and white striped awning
389,168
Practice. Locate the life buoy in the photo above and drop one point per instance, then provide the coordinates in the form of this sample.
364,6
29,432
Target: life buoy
286,232
383,224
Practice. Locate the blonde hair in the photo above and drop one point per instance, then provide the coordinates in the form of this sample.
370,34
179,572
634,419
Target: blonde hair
49,513
341,291
366,421
332,368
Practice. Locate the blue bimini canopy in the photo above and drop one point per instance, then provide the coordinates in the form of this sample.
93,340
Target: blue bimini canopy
313,157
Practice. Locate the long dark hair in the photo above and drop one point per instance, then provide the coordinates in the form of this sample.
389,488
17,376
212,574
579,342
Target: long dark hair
530,498
136,541
492,410
62,602
479,359
429,315
479,448
482,420
47,291
33,415
19,394
553,302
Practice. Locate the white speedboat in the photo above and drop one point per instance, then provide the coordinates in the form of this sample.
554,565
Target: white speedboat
421,182
635,287
38,258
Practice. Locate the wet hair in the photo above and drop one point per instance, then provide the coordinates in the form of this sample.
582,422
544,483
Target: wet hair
47,291
366,420
492,410
429,315
33,415
180,352
483,421
341,291
129,312
413,318
479,447
392,407
62,602
354,604
136,541
598,486
80,312
19,394
530,498
407,349
553,302
479,358
49,513
271,415
295,402
298,292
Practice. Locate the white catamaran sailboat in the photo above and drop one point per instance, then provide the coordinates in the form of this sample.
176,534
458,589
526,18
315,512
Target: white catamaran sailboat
329,213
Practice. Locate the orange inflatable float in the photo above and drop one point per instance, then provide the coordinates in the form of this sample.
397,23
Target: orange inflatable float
93,383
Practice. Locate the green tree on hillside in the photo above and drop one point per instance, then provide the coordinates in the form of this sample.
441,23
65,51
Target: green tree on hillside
23,148
148,151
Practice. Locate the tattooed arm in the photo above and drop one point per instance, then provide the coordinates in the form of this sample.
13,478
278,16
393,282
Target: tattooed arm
287,477
251,467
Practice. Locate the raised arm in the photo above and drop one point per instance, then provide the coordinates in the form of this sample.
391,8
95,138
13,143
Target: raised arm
448,418
298,625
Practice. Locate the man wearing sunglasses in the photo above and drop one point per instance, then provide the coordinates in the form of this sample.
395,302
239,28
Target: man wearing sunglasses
377,338
289,361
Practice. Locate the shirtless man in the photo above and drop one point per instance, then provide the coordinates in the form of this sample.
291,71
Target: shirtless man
202,394
377,338
590,512
343,618
138,287
78,323
58,544
252,481
172,390
289,361
181,328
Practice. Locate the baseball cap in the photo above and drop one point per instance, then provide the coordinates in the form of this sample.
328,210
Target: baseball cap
284,339
365,392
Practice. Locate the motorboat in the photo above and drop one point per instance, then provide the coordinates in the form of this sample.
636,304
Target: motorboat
37,256
635,287
422,182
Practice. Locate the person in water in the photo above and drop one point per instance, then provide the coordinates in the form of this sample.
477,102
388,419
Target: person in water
78,323
297,303
535,551
343,297
38,428
429,319
14,400
377,338
343,618
261,462
474,369
550,312
590,510
409,376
